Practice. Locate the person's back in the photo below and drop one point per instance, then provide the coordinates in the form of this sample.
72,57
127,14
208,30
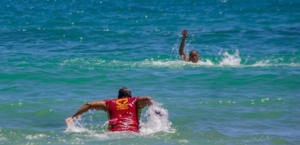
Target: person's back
123,114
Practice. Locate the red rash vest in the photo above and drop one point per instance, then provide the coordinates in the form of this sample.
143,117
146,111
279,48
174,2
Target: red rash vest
123,114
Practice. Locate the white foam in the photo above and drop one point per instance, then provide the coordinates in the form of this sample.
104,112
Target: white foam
227,60
207,62
3,138
269,63
183,141
167,64
262,63
232,60
37,136
157,121
77,127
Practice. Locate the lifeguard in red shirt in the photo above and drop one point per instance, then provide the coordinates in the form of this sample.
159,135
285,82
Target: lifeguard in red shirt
123,113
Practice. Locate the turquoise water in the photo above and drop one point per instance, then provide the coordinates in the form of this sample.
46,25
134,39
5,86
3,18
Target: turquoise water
57,55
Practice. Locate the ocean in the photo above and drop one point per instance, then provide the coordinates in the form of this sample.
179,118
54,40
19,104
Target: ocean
56,55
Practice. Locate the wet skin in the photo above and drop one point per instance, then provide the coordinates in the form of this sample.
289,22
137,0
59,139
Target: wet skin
194,57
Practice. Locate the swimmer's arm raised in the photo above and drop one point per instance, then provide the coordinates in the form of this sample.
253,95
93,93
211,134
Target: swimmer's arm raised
97,105
144,101
181,49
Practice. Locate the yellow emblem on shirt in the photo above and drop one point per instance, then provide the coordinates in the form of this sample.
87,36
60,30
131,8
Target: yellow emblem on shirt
122,104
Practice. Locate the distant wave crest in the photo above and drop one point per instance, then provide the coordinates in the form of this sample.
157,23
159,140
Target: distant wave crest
224,59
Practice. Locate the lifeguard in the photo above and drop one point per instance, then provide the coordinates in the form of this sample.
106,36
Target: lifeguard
123,113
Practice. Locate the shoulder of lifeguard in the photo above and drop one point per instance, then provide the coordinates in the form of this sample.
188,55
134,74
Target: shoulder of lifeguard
107,101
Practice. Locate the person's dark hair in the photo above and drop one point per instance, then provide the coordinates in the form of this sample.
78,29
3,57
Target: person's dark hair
193,52
124,92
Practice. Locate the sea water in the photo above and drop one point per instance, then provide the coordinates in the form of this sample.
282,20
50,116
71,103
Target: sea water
56,55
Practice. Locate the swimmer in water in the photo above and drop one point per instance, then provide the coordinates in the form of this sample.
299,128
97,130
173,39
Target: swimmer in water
123,113
193,56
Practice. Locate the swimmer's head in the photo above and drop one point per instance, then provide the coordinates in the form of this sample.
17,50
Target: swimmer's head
194,57
124,93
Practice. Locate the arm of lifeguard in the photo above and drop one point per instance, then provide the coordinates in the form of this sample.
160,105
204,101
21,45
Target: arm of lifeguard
181,49
97,105
144,101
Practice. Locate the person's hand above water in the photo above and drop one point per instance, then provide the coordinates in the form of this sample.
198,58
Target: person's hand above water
184,33
69,121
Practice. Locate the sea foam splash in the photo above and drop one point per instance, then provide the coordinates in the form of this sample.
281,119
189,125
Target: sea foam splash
77,127
157,120
232,60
